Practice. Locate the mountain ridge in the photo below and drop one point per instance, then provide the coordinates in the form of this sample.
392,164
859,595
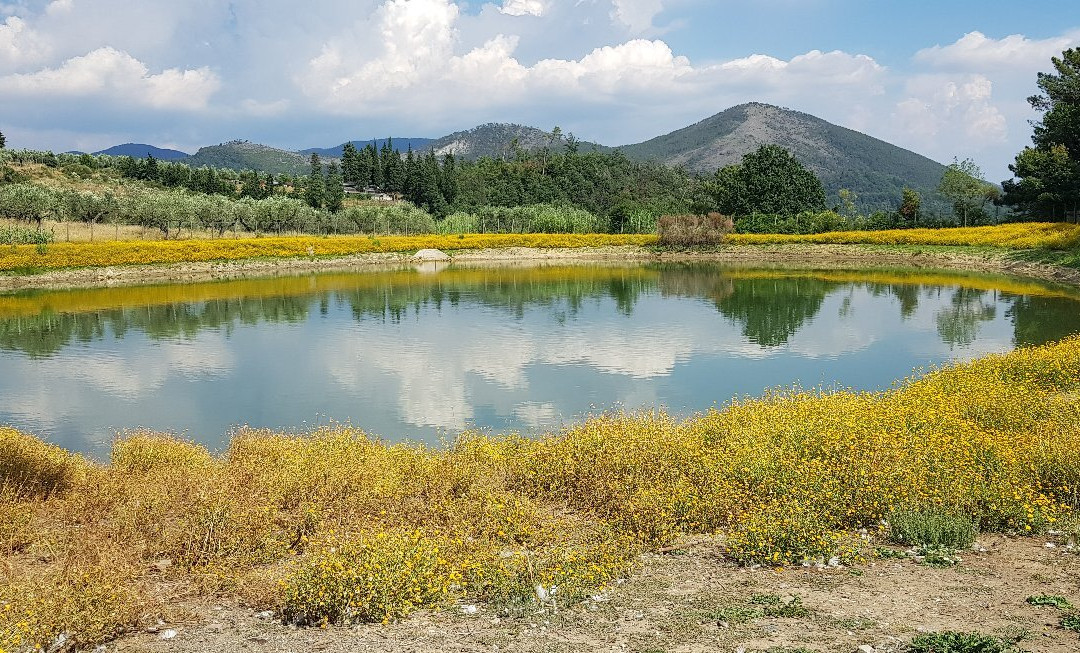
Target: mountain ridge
843,158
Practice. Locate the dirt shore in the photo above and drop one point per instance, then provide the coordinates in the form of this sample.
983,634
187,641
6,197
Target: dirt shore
801,255
693,601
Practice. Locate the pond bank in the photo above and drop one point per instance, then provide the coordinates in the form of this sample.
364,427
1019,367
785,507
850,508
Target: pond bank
972,259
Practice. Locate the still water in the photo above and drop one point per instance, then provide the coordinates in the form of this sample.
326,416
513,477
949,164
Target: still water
424,354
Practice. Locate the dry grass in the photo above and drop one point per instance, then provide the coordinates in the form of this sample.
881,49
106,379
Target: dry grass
336,527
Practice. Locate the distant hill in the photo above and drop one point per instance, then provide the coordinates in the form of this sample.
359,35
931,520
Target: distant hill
843,158
141,150
244,155
400,144
494,140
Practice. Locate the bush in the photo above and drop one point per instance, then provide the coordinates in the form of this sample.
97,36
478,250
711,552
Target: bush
530,219
955,642
694,230
15,235
931,527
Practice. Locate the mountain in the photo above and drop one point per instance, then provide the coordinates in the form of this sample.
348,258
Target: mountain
244,155
843,158
141,150
400,144
494,140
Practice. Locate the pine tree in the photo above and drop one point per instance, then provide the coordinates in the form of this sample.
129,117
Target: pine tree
3,141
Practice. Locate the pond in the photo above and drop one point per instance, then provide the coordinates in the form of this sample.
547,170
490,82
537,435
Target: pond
422,354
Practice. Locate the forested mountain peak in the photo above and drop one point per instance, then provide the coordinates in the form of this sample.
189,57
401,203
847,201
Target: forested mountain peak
841,157
245,155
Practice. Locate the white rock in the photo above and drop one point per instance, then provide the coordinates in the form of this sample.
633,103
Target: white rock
265,614
168,633
430,255
469,609
866,648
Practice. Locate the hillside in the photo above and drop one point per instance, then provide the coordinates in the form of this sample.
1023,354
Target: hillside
400,144
494,140
141,150
843,158
243,155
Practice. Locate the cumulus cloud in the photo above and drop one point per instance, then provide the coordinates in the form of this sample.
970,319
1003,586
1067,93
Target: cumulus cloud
976,51
109,72
815,68
420,62
20,45
523,7
937,105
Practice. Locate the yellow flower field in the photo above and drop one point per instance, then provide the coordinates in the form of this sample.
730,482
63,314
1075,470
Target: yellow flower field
336,527
1019,235
76,255
79,255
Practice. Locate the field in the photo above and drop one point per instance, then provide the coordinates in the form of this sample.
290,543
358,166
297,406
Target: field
333,527
1055,239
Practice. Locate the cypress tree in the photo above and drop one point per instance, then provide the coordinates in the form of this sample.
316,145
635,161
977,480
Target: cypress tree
335,191
316,189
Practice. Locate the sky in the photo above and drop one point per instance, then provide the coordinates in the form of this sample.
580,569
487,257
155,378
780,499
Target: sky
945,79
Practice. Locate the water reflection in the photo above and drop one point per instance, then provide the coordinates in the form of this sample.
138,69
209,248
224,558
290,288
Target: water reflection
406,354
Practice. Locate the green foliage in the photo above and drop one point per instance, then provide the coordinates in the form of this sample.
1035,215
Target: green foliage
3,141
931,527
769,180
910,201
16,235
956,642
384,219
963,184
1071,622
1046,177
242,155
533,218
1052,600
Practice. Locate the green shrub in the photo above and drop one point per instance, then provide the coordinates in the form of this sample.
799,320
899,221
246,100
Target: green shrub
931,527
1053,600
954,642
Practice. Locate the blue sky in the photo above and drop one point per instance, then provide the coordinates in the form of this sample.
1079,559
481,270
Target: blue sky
946,79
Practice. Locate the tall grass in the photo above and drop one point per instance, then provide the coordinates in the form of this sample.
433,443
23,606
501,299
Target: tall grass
335,526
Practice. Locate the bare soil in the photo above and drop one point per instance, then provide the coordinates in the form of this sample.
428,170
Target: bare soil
799,255
693,601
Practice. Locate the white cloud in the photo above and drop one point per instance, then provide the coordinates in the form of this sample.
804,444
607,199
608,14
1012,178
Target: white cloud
20,45
815,68
637,15
523,7
107,72
939,105
976,51
419,67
